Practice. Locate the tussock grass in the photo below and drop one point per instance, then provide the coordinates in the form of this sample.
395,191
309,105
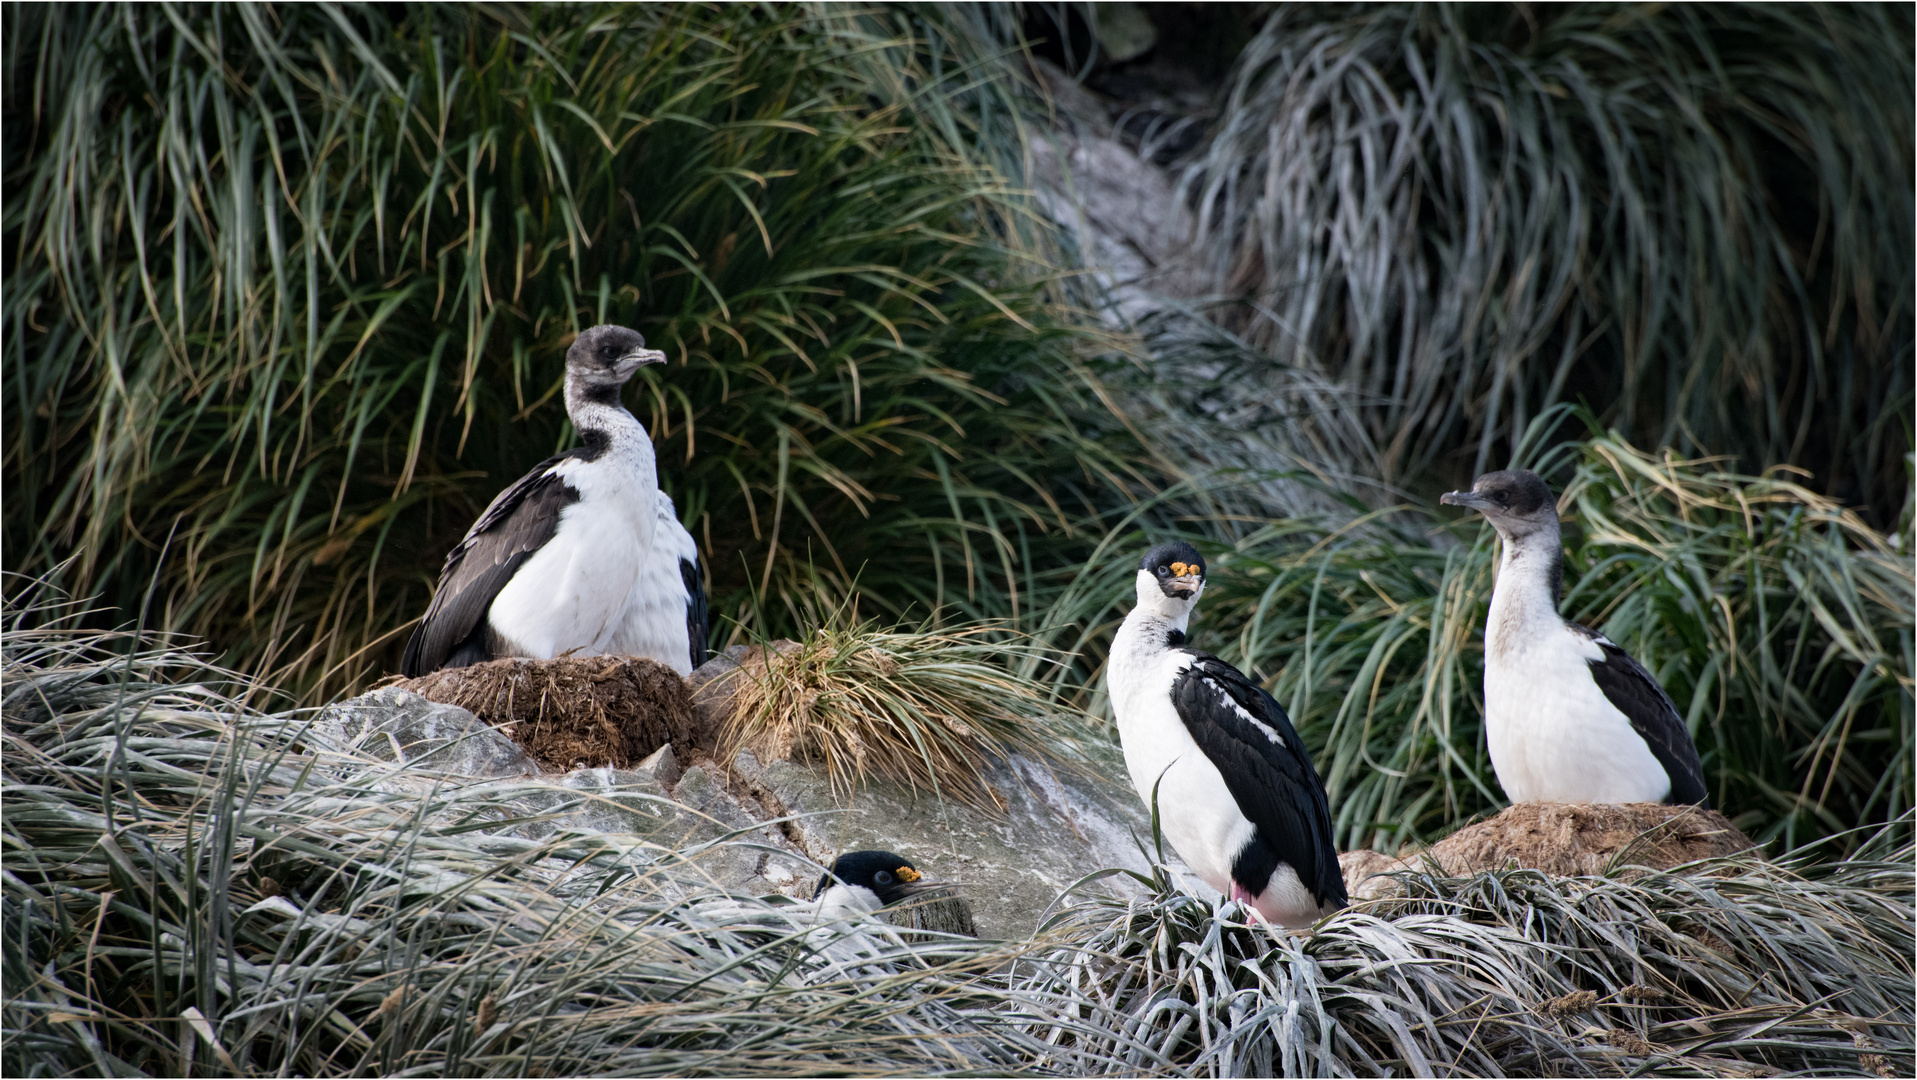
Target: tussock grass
925,707
190,886
1748,969
193,885
1694,218
292,287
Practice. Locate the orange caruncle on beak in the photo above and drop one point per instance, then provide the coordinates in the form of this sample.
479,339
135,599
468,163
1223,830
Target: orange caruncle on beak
1180,569
907,874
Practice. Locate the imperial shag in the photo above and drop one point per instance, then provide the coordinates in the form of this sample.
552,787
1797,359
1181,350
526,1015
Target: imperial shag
1233,784
584,554
865,881
1568,716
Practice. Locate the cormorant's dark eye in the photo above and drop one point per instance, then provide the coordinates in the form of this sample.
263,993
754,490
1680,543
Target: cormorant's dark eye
608,353
1503,498
883,877
1164,571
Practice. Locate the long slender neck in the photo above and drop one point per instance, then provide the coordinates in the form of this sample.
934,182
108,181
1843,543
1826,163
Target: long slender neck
1149,631
603,422
1530,574
1144,637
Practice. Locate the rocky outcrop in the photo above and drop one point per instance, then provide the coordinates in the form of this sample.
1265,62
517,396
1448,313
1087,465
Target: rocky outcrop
1125,216
393,724
1059,821
1559,838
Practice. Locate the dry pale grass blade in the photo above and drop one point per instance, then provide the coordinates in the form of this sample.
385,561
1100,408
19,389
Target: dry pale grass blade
192,885
928,708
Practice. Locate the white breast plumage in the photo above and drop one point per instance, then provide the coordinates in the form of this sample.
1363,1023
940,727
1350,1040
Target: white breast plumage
653,621
572,596
1552,734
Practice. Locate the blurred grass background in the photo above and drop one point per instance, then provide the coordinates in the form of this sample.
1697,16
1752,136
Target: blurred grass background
286,290
1697,218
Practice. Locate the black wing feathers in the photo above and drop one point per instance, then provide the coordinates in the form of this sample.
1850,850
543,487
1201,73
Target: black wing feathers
696,619
1274,785
517,523
1652,714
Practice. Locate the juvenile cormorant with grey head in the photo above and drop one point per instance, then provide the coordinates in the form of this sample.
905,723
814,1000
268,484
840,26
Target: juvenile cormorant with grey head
1568,715
584,555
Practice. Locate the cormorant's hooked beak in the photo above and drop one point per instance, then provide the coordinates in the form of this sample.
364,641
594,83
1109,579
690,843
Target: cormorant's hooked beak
1465,499
637,359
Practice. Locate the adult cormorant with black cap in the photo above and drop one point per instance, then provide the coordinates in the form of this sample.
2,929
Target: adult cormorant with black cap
1233,784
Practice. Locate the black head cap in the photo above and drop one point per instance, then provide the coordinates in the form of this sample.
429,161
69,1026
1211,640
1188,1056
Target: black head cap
892,877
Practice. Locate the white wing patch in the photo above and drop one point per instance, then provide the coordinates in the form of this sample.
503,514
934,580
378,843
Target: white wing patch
1232,703
1588,644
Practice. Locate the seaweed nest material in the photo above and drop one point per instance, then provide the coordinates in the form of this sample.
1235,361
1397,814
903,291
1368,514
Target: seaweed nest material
572,712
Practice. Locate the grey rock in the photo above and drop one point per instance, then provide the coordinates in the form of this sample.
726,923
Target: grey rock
1123,29
1060,824
621,800
1005,870
712,813
400,726
1125,215
663,764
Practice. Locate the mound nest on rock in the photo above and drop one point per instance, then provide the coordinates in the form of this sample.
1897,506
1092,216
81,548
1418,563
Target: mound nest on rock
1566,839
575,711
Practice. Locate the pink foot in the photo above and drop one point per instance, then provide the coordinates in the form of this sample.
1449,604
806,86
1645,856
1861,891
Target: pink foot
1238,893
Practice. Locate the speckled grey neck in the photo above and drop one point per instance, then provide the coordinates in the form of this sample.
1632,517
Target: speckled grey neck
604,424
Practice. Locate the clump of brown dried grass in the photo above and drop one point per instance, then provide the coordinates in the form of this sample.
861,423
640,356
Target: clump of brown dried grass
573,711
925,708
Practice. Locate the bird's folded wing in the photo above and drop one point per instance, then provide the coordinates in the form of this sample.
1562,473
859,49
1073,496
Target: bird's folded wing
1633,692
1265,766
517,523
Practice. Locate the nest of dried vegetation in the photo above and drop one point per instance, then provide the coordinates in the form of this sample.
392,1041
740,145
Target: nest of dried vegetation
572,712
